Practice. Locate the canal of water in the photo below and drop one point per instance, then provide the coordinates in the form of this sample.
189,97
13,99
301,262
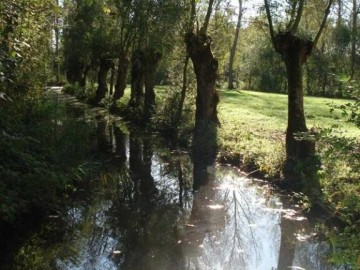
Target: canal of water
136,209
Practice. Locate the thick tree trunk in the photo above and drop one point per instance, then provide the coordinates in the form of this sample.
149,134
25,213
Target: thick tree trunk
294,52
82,82
137,79
121,76
206,68
105,65
151,60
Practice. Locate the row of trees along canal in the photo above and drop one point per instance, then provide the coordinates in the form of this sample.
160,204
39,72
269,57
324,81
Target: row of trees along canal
102,42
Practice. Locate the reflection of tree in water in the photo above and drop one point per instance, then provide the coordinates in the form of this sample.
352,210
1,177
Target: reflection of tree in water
133,208
237,239
313,254
297,245
147,225
287,243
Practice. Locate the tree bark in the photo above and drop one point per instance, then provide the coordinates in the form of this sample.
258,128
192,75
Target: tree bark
137,79
105,65
206,120
294,52
206,68
77,73
121,76
233,48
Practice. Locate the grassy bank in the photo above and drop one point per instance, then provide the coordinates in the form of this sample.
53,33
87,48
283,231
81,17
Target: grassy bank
253,126
252,133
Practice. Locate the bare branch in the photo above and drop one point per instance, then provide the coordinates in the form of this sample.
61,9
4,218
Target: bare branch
207,17
192,16
298,17
323,23
271,27
292,15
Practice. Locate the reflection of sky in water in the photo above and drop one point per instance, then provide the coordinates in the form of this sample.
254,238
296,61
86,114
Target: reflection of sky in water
250,237
94,240
238,226
233,223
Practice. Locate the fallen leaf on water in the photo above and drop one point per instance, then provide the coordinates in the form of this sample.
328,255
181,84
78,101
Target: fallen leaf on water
116,252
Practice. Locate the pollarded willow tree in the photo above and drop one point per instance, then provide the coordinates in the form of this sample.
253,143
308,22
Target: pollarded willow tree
294,50
198,47
153,40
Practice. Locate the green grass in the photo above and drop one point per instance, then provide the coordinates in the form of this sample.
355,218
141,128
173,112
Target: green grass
266,111
253,126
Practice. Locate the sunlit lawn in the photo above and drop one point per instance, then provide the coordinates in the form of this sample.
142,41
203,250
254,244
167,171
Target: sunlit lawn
267,112
253,126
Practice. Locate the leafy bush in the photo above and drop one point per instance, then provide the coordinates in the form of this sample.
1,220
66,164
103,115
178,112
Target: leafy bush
36,167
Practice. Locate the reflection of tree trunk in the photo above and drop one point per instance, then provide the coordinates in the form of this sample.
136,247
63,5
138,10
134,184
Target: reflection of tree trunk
183,92
137,79
105,65
135,158
202,219
151,60
287,244
181,183
201,176
120,139
294,52
121,76
147,185
101,134
233,48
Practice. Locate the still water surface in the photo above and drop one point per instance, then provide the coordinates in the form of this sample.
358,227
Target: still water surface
137,209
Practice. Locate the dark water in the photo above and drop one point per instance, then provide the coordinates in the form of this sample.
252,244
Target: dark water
136,209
